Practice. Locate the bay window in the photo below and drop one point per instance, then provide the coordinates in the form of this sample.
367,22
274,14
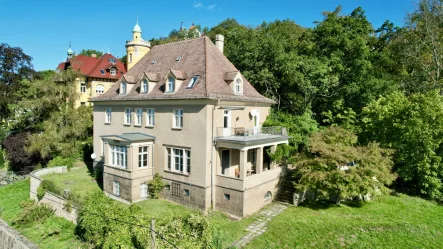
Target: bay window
119,156
143,156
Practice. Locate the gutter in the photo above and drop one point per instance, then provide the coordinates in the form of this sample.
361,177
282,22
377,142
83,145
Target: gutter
212,159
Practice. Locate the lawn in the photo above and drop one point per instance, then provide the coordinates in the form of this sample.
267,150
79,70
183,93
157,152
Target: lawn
54,232
391,222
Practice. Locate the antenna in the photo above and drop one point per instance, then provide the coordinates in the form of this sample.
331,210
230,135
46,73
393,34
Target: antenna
181,25
69,44
137,16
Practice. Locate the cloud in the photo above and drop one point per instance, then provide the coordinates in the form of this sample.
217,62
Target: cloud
211,7
198,5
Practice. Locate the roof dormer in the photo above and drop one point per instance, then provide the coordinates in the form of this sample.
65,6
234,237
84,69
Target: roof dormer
174,80
235,81
147,82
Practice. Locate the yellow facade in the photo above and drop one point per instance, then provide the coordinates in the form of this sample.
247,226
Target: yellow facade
136,48
92,88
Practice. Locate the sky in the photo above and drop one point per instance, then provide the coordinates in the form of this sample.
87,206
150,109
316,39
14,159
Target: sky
44,28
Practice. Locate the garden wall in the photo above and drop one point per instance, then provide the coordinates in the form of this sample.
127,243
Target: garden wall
55,201
10,239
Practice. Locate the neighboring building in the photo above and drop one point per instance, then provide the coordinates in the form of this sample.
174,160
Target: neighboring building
99,74
184,111
137,48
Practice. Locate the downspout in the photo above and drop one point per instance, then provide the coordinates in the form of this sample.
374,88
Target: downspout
212,159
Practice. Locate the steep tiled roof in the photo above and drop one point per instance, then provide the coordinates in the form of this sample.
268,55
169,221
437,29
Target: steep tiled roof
198,57
90,66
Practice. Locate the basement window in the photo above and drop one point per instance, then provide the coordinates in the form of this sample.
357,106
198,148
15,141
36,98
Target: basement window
227,197
187,193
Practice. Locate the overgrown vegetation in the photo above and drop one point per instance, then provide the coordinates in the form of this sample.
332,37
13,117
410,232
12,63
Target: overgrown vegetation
20,160
155,186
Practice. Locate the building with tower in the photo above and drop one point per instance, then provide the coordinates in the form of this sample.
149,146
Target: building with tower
98,74
136,48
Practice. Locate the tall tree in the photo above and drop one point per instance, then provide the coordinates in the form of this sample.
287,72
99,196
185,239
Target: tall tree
15,66
90,52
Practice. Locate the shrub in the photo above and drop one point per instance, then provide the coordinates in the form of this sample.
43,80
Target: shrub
61,161
155,186
2,159
44,186
33,213
19,159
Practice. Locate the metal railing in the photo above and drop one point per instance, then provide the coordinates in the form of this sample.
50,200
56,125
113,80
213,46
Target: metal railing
242,133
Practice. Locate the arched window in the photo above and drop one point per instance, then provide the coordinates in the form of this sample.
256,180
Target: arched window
268,195
145,86
100,89
123,88
238,86
171,84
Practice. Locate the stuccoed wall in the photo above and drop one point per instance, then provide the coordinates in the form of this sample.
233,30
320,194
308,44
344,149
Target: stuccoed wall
10,239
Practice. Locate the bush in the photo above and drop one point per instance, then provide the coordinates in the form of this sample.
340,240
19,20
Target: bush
61,161
33,213
44,186
2,159
155,186
19,159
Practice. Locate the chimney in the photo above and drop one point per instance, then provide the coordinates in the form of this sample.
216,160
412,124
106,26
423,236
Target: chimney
93,55
220,42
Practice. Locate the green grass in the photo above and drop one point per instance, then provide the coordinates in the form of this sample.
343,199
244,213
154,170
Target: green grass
78,180
391,222
54,232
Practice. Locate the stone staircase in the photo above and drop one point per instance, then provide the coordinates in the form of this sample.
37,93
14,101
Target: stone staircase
286,189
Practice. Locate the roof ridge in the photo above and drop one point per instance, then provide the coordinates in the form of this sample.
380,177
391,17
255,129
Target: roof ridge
206,66
176,42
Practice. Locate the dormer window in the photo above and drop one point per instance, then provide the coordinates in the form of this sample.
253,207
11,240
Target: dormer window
113,71
238,86
171,85
123,88
192,81
144,86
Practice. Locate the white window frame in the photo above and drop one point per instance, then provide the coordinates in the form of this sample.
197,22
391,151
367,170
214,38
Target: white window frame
83,87
100,89
192,81
108,115
144,190
138,116
171,85
178,160
150,117
113,71
142,163
238,88
123,87
128,116
177,122
145,86
116,188
118,156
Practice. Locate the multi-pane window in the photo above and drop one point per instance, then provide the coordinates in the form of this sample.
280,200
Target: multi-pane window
100,89
143,156
119,156
179,160
113,71
128,116
123,88
116,188
83,87
171,84
143,190
145,86
178,119
138,116
108,115
176,189
150,114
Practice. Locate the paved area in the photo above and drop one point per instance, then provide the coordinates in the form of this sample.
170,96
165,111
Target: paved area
259,227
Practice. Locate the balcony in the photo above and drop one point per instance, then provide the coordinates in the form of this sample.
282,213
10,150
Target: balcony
248,135
139,43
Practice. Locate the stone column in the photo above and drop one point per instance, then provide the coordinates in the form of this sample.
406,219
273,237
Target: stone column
243,163
273,164
259,160
129,157
106,154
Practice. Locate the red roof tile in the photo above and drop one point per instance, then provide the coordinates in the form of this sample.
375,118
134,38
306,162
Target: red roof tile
90,66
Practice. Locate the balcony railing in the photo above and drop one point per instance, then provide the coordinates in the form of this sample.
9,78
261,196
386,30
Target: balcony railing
246,134
143,43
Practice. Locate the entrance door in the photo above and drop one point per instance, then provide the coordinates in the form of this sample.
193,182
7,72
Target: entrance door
227,123
256,122
225,162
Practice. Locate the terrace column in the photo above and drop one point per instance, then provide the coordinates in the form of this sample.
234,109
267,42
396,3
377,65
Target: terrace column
129,159
243,163
273,164
106,154
259,160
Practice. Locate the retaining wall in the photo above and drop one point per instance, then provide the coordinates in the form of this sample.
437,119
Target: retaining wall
10,239
55,201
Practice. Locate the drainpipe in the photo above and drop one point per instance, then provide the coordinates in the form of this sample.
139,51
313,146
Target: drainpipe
212,159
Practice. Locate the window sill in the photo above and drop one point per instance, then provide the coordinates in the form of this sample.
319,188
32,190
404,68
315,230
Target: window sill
177,128
177,173
137,125
126,124
107,123
149,126
169,92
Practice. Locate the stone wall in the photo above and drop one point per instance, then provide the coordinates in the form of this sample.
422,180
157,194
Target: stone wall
10,239
186,194
53,200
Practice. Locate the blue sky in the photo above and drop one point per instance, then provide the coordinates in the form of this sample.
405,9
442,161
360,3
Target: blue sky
43,29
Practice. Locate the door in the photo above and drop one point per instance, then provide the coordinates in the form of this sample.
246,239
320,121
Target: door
227,123
256,120
225,161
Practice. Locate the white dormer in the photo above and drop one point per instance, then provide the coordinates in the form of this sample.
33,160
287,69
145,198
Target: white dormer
174,80
170,84
238,86
235,81
144,86
123,87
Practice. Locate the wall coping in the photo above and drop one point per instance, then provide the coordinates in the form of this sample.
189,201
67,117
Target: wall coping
45,171
25,243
